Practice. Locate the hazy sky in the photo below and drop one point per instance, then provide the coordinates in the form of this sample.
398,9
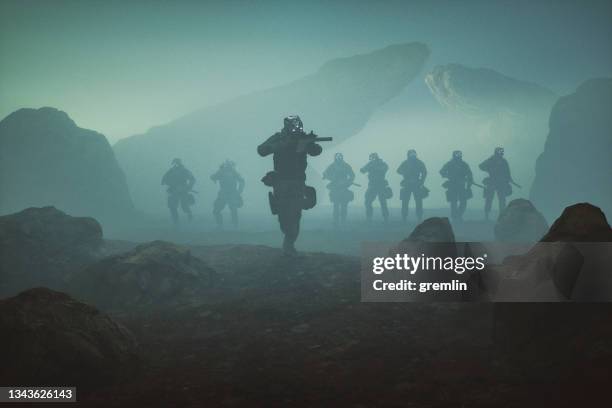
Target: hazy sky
120,67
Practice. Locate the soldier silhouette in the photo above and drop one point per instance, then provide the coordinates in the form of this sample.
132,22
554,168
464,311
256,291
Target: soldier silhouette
414,173
498,181
341,176
180,182
378,186
290,195
458,185
231,185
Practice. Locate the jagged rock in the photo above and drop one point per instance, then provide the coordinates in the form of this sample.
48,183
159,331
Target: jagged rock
520,221
155,274
41,246
510,112
45,159
435,229
49,338
482,90
581,222
336,101
575,165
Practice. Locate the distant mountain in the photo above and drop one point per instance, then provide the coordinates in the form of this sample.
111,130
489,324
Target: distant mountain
509,112
336,101
47,160
576,165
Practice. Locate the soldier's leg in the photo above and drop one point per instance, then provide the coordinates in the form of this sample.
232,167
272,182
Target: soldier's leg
370,195
343,211
218,206
502,202
405,206
173,207
289,219
418,202
234,215
461,208
383,207
453,209
488,202
186,207
336,213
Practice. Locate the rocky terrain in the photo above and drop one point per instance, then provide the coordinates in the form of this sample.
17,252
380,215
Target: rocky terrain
236,325
335,101
520,221
46,159
575,165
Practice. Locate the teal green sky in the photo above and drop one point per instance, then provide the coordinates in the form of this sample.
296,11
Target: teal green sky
120,67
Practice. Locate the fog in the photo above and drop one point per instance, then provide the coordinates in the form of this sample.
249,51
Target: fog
164,71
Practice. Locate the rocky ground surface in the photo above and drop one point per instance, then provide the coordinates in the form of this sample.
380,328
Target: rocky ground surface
242,325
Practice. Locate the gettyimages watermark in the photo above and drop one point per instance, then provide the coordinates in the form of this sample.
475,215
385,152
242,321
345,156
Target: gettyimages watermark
490,272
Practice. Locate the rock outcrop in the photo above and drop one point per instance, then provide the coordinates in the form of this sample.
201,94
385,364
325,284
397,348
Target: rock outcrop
155,274
52,339
580,223
520,221
575,165
336,101
510,112
46,159
42,246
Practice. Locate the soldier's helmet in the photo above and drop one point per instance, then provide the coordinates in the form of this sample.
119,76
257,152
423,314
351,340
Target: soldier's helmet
411,153
373,156
499,151
338,157
293,123
177,162
228,164
457,154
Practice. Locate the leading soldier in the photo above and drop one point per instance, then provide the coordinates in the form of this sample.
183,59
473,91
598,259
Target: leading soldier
498,181
180,182
459,184
341,177
378,186
414,173
290,148
231,185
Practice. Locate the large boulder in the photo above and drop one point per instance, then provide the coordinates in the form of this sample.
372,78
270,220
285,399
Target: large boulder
336,101
49,338
575,165
46,159
520,221
581,222
155,274
42,246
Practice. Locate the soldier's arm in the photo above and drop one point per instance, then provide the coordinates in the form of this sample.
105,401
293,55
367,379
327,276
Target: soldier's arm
215,176
240,183
351,174
384,167
165,179
484,166
423,172
470,177
444,171
190,179
400,169
269,146
365,168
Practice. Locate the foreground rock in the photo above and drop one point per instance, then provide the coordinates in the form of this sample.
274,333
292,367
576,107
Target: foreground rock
575,165
520,221
337,100
46,159
42,246
580,223
49,338
156,274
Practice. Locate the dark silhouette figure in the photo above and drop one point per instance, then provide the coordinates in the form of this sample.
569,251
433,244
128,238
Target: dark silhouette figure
231,185
414,173
498,181
459,184
341,176
180,182
378,186
290,148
